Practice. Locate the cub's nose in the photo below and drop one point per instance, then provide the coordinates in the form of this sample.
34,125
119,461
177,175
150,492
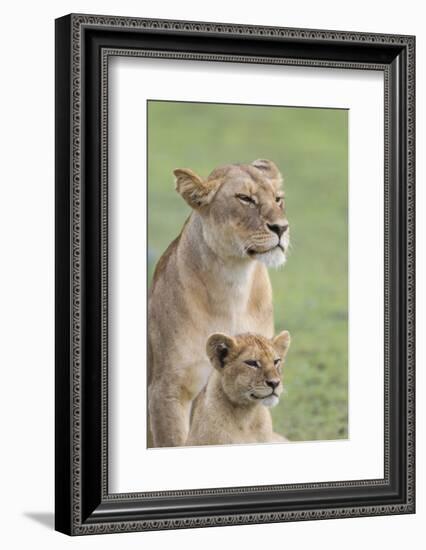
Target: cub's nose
272,383
277,228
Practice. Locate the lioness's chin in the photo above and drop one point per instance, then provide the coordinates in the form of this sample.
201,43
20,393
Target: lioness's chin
270,401
272,258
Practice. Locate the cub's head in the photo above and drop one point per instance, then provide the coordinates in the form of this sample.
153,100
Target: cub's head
242,208
250,366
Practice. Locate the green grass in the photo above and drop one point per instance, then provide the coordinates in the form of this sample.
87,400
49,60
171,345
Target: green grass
311,292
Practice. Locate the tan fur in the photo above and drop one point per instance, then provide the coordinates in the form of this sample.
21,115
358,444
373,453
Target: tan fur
209,280
232,407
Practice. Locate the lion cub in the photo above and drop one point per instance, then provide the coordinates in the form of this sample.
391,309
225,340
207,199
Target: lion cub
232,408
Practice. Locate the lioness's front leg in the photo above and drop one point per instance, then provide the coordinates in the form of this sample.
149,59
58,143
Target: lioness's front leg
169,416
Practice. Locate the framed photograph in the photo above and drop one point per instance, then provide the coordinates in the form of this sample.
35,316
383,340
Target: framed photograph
234,274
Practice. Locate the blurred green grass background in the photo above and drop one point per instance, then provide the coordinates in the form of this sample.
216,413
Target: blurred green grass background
310,146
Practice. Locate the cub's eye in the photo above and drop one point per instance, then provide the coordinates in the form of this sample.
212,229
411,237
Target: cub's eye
245,198
252,363
279,200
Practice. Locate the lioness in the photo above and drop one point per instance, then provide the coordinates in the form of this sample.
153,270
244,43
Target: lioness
211,278
247,378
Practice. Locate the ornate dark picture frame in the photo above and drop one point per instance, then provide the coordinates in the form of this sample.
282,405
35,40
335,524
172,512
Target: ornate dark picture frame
84,44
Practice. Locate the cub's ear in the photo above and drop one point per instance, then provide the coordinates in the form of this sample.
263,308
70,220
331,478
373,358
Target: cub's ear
219,347
196,191
282,342
268,168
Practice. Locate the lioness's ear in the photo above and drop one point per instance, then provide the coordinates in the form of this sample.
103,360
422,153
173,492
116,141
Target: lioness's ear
282,342
218,348
268,168
196,191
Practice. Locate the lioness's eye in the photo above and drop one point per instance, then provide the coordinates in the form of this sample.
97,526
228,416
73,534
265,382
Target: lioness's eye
277,362
245,198
252,363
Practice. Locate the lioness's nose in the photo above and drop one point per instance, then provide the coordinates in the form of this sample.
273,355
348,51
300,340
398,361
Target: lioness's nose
277,228
273,383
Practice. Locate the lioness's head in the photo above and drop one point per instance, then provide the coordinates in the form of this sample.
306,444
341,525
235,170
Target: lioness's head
242,209
250,366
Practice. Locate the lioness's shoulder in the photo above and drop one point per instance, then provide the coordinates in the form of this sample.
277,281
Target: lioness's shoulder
167,254
164,260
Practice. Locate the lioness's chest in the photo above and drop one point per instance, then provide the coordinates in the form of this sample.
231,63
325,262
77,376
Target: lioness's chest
233,321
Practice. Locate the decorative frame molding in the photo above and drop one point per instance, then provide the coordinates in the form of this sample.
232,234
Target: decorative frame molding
84,43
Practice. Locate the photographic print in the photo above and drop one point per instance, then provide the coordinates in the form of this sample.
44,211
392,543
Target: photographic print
234,268
247,274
